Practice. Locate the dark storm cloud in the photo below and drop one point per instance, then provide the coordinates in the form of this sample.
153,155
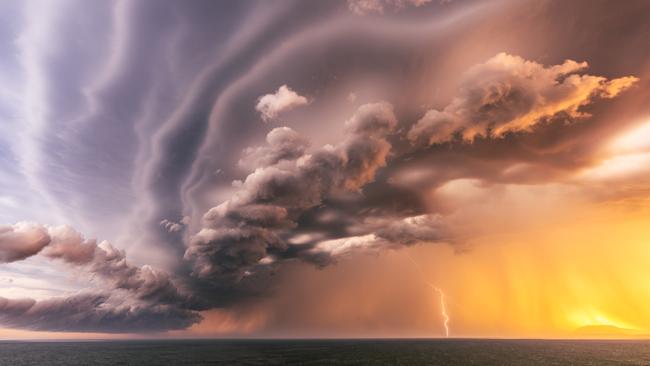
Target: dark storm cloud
243,230
109,103
258,227
180,91
92,313
175,146
333,48
505,94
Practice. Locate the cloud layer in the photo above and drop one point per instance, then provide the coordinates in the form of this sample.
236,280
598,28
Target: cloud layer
92,313
258,219
262,224
509,94
232,185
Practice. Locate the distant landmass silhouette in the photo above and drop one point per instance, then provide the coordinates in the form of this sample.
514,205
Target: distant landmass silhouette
613,331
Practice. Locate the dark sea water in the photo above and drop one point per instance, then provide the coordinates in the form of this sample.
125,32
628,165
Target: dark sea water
327,352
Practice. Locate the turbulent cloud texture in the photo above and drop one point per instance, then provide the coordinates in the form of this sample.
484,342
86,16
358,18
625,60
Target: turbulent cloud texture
254,228
92,313
139,122
509,94
256,221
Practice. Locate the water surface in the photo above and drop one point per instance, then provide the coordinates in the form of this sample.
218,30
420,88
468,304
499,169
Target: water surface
326,352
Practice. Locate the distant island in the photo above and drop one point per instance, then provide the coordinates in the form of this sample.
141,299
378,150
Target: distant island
609,331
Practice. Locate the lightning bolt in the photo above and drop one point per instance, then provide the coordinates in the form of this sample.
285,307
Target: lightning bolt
443,309
438,290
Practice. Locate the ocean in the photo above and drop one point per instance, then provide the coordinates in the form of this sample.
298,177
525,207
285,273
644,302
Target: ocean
326,352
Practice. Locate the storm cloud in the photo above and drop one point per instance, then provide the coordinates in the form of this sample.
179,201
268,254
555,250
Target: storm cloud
213,144
509,94
253,229
254,223
92,313
505,94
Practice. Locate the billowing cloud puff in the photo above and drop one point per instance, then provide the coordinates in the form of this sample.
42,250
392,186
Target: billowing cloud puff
284,99
143,282
252,224
69,245
283,144
510,94
364,7
21,241
142,298
504,94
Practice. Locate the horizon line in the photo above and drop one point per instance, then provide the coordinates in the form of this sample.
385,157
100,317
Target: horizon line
72,340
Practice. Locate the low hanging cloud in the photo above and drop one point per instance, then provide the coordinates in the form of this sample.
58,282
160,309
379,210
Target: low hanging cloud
270,106
504,94
510,94
93,312
103,260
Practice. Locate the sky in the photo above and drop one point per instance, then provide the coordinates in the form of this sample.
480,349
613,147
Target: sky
352,168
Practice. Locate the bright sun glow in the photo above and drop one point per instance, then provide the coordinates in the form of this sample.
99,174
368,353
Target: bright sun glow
636,140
